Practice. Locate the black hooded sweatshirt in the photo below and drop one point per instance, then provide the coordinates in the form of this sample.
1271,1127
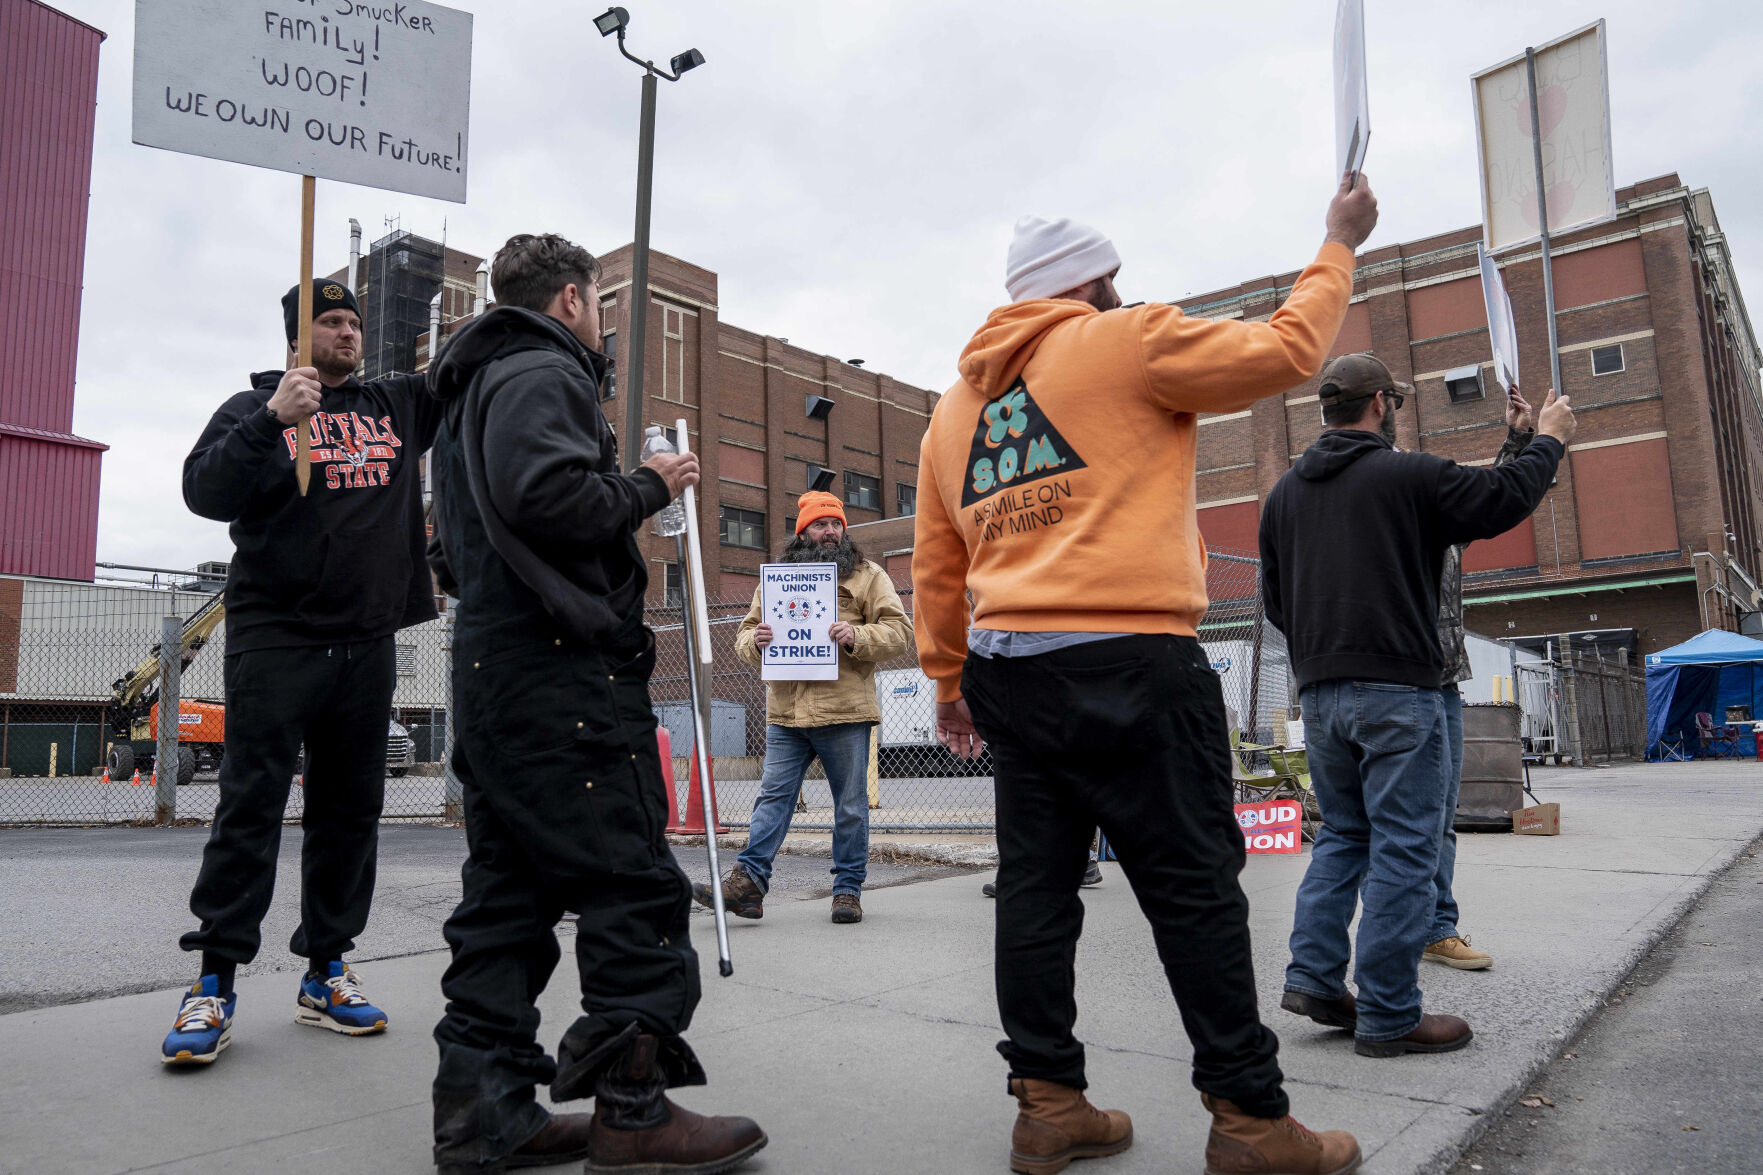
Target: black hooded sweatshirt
345,562
1353,539
535,523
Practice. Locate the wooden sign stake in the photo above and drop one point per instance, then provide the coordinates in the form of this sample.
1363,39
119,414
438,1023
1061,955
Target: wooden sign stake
303,442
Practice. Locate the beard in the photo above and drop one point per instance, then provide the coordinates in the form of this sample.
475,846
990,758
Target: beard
333,365
803,549
1387,429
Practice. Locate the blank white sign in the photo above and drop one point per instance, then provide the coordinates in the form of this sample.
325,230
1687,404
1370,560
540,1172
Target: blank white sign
1352,101
1502,333
374,93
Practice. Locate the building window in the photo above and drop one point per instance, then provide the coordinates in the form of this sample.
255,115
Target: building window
1463,384
673,353
1607,360
672,594
862,491
743,528
609,345
906,499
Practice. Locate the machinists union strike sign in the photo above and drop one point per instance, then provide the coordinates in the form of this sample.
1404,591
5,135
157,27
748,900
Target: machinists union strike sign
800,601
375,93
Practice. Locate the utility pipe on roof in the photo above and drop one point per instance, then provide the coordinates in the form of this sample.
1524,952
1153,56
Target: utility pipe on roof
482,302
354,251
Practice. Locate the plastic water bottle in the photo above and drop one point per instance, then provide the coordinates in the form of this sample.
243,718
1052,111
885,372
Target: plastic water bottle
672,519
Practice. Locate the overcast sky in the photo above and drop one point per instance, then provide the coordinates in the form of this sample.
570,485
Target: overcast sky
851,171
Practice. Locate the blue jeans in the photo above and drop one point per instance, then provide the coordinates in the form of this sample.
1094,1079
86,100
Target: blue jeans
1444,918
843,749
1379,757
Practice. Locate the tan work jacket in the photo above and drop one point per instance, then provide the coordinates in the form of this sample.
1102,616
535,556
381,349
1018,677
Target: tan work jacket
868,602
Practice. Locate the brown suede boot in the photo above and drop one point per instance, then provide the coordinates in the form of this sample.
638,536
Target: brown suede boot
741,895
1058,1124
564,1139
1242,1144
638,1131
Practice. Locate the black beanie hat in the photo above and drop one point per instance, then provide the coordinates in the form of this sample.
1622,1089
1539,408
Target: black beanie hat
326,295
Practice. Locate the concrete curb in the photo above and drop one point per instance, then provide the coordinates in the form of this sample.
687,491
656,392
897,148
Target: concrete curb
964,854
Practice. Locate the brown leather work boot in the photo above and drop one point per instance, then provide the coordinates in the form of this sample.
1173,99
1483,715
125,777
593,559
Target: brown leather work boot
1434,1034
564,1139
741,895
847,908
638,1131
1341,1012
1242,1144
1058,1124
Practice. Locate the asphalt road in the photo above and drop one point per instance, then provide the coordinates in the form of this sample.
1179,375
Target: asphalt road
1665,1078
92,913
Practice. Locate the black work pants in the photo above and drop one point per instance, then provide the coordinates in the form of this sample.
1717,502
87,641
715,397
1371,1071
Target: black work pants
565,806
338,700
1128,734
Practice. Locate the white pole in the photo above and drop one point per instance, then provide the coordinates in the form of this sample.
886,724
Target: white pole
694,553
697,634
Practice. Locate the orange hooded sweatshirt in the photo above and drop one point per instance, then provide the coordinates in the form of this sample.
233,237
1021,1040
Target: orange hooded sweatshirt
1056,479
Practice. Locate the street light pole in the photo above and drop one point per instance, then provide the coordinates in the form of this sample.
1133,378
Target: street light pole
637,346
613,22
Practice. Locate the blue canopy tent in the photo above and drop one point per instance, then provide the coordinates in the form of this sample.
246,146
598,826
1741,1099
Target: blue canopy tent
1710,673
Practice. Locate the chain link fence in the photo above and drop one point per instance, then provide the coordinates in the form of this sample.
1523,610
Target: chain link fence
81,667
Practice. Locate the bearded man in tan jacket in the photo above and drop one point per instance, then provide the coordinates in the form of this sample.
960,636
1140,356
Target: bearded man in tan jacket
828,719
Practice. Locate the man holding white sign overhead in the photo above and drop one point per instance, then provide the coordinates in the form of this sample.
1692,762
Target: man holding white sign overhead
809,711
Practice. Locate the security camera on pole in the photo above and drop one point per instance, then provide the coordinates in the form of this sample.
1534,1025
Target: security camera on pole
350,97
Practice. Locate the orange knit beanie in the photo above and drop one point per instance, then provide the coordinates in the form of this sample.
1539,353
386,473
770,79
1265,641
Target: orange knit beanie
816,504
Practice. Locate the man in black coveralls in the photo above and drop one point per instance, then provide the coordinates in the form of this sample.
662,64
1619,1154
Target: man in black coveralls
565,800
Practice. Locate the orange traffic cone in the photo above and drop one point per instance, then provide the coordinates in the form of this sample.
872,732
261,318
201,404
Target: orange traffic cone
694,822
154,784
106,778
136,780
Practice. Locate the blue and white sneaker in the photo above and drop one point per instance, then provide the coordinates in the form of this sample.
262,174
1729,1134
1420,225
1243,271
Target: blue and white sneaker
337,1003
204,1025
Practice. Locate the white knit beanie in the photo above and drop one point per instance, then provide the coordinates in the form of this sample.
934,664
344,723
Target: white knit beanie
1048,257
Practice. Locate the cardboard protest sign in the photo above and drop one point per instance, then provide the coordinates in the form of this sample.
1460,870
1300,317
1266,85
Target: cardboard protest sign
1573,108
1502,334
1272,827
367,93
800,601
1352,101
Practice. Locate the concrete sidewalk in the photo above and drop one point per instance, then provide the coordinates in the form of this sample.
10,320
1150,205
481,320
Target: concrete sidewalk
870,1048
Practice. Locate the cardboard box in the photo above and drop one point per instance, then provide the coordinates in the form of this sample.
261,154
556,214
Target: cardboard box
1541,820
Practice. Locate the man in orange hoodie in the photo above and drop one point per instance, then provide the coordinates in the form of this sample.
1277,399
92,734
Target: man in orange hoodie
1056,488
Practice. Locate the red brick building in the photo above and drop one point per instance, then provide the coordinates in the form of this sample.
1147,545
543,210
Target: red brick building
1653,523
755,407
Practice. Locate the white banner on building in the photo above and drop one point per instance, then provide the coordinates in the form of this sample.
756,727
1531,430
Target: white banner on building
800,601
366,93
1573,106
1502,334
1352,100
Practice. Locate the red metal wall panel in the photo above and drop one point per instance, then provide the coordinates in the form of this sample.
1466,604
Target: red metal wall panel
48,94
48,107
48,508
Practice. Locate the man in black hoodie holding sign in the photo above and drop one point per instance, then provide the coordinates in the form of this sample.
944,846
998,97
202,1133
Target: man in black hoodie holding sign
1353,539
565,797
316,588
